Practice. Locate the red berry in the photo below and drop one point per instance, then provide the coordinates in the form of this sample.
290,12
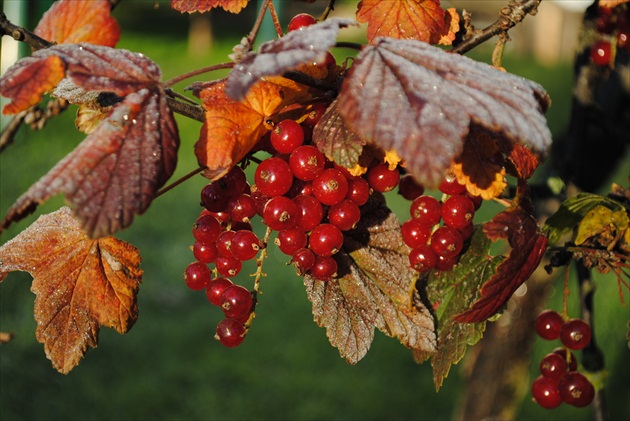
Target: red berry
215,289
575,334
409,188
446,241
307,162
570,359
601,53
345,214
228,266
230,332
553,366
575,389
206,229
291,240
281,213
234,182
301,20
197,275
311,210
330,187
315,114
545,392
446,263
213,197
236,301
325,240
324,268
205,252
241,208
273,177
451,186
381,178
548,325
224,243
422,258
358,190
286,136
245,245
415,233
458,211
426,209
303,259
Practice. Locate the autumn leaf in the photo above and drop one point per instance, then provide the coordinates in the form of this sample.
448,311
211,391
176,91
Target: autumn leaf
604,224
306,46
422,101
80,284
232,128
75,21
422,20
518,225
116,171
452,292
375,288
191,6
340,144
91,67
521,162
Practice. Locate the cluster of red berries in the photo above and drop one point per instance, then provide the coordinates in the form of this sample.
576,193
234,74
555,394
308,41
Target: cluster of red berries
613,28
559,380
435,246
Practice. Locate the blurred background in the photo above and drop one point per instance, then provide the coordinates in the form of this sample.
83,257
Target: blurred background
169,366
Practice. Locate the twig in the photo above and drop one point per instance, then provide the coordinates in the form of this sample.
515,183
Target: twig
275,20
197,72
179,181
20,34
259,20
329,8
195,112
510,15
9,132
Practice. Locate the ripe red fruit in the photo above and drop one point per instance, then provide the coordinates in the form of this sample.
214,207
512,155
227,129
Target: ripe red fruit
324,268
553,366
197,275
311,211
301,20
303,259
548,324
451,186
241,208
326,240
286,136
358,190
575,389
409,188
291,240
236,301
230,332
205,252
344,215
545,392
381,178
281,213
307,162
330,187
206,229
426,209
446,241
315,114
273,177
234,182
245,245
575,334
415,233
215,289
228,266
422,258
213,197
458,211
570,359
601,53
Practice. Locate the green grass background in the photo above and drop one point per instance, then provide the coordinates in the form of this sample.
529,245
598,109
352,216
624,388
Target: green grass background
170,367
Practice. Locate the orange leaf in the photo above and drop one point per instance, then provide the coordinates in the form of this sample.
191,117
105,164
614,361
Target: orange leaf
74,21
232,128
423,20
80,284
29,84
201,6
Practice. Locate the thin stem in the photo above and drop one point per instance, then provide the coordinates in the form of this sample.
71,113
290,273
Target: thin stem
260,260
195,112
179,181
259,20
347,44
329,8
275,20
197,72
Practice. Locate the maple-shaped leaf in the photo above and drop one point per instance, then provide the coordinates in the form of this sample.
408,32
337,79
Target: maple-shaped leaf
231,128
306,46
452,292
518,225
422,20
340,144
80,284
420,101
75,21
115,172
191,6
375,288
91,67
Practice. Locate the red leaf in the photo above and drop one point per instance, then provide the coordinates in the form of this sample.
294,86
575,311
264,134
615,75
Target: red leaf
75,21
92,67
201,6
519,226
335,140
117,170
419,100
80,284
306,46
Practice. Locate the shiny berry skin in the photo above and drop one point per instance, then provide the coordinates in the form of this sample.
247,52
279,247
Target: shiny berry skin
324,268
358,190
206,229
215,289
307,162
548,324
570,359
234,182
446,241
236,301
281,213
330,187
286,136
245,245
301,20
241,208
273,177
553,366
224,243
344,215
213,197
575,334
601,53
426,209
545,392
422,258
415,233
303,259
315,114
446,263
325,240
311,212
451,186
228,266
409,188
458,211
197,276
381,178
205,252
230,332
575,389
291,240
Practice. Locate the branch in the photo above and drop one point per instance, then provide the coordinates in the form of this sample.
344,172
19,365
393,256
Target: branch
510,15
20,34
195,112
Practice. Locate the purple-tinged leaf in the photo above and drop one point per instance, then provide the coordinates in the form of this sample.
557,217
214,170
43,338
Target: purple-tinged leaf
340,144
308,45
116,171
419,100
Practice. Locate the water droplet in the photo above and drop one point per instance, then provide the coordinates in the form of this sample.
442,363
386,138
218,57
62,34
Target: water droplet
126,117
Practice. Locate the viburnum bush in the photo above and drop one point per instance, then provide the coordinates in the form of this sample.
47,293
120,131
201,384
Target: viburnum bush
327,138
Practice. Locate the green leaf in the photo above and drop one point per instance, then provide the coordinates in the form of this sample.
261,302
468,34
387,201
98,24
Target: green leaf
600,219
